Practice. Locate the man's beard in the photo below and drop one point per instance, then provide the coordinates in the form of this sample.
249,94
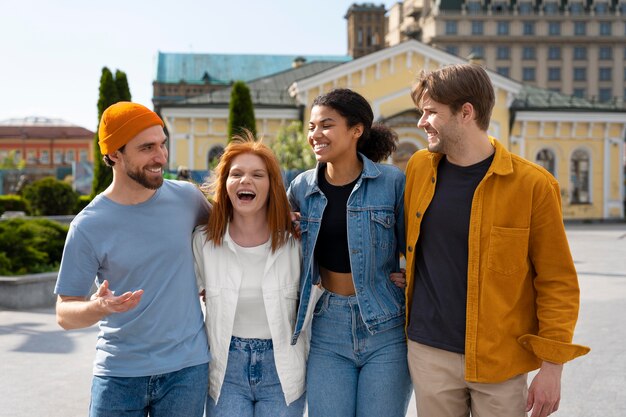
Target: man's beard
141,178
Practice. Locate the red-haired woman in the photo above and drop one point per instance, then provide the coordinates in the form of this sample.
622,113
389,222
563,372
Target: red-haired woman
248,261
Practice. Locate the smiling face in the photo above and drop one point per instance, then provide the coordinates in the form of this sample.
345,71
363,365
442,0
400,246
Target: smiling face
248,185
143,158
442,127
329,135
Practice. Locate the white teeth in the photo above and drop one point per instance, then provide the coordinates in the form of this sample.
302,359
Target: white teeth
242,193
155,170
320,146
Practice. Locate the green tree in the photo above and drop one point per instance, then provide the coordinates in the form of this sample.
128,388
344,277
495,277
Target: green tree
240,110
112,90
121,83
292,149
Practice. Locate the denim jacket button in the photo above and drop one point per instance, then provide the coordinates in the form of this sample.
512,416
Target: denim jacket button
418,214
410,248
432,180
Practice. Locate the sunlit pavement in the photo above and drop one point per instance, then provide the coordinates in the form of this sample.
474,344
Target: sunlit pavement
46,372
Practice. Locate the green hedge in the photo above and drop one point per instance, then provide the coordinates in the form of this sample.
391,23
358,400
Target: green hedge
49,196
81,203
13,202
30,245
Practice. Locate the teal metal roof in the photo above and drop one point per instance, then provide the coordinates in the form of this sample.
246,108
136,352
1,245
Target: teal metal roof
266,91
225,68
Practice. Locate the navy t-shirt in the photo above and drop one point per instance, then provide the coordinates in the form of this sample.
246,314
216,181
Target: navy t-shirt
437,316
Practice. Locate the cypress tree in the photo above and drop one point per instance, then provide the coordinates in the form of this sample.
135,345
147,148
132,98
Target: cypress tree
112,90
121,83
240,110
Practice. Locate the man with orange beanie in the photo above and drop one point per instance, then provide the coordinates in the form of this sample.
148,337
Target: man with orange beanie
135,239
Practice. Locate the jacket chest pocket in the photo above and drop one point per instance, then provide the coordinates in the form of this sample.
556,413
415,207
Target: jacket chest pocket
508,250
382,228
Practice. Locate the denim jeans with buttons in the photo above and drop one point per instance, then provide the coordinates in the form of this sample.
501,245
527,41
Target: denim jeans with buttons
251,386
351,372
181,393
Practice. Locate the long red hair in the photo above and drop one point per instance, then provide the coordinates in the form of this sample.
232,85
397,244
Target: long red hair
278,210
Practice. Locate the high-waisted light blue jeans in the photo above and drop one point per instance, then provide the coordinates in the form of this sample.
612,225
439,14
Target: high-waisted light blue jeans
350,372
251,386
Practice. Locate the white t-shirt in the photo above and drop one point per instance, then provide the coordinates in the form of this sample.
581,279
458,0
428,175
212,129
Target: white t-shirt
250,317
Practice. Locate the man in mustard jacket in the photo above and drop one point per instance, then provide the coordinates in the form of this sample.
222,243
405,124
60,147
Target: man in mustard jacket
492,291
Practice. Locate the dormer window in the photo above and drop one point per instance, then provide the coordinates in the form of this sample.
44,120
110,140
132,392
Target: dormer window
551,7
576,8
499,7
473,7
601,8
525,7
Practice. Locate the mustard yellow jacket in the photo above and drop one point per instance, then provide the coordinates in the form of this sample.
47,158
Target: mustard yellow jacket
522,287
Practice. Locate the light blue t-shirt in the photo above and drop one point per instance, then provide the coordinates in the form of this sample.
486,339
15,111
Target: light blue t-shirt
145,246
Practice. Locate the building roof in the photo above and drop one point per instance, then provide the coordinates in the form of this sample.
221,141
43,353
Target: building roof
226,68
536,98
449,4
41,128
509,5
34,121
365,7
265,91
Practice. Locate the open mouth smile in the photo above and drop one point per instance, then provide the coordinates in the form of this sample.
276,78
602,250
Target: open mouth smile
246,195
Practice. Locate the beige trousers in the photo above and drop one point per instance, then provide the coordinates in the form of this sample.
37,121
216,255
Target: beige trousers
441,389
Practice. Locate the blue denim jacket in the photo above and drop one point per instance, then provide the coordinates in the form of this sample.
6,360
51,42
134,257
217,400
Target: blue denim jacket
375,213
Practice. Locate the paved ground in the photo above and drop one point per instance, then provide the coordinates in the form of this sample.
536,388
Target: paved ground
46,372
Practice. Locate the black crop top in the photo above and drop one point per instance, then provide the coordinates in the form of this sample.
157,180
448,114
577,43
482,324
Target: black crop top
331,249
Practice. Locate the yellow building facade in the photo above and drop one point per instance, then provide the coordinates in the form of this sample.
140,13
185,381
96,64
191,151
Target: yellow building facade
584,151
195,133
582,147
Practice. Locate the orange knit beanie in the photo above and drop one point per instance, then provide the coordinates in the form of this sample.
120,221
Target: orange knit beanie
121,122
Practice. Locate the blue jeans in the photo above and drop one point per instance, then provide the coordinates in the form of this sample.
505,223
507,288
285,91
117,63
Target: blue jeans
181,393
351,372
251,385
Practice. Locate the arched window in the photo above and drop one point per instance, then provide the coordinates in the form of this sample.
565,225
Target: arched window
580,177
546,159
214,155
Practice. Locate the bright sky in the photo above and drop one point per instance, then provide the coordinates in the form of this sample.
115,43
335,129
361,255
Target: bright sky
52,52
